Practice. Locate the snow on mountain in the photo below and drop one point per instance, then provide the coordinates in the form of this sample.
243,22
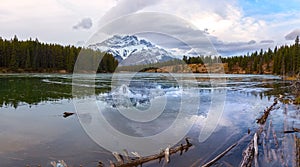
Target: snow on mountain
129,50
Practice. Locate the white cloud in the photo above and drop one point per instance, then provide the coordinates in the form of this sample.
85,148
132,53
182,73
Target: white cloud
92,8
31,9
85,23
224,19
280,24
125,7
49,20
292,35
267,41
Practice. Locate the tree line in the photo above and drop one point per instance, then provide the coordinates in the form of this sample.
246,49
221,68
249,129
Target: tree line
146,67
34,56
202,59
284,60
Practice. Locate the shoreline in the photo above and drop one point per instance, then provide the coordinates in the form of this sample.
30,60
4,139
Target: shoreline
4,71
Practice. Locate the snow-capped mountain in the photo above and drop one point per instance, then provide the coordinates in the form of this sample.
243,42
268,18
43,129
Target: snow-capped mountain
129,50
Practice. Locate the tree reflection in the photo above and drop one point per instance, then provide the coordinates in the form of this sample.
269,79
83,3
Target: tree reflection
15,90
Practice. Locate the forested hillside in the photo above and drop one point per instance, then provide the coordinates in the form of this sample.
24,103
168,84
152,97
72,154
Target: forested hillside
284,60
34,56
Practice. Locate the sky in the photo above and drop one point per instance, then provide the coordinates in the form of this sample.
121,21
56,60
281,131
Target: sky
233,27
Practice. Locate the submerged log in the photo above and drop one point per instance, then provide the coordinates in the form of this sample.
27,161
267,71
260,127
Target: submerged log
264,117
248,155
292,131
141,160
67,114
219,156
289,131
296,129
252,150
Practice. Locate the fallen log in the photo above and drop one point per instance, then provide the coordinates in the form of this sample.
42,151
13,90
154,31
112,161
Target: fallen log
141,160
264,117
289,131
252,150
292,131
219,156
248,155
296,129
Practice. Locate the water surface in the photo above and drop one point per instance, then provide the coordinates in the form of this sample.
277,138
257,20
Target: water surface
33,131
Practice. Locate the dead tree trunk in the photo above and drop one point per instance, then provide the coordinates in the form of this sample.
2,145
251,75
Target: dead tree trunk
248,154
219,156
264,117
161,155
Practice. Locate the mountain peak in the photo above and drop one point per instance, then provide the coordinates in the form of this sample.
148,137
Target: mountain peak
130,50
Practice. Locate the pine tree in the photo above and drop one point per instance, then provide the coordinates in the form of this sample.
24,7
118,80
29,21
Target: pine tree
297,54
28,60
13,58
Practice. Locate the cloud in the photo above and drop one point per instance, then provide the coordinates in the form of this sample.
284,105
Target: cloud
229,20
225,19
267,41
85,23
239,48
251,42
292,35
125,7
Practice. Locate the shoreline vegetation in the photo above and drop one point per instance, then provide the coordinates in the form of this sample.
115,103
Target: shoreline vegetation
221,68
34,56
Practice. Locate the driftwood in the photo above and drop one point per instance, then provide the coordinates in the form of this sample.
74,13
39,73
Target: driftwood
289,131
296,129
251,151
292,131
219,156
118,157
264,117
67,114
141,160
167,154
248,155
126,155
255,138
